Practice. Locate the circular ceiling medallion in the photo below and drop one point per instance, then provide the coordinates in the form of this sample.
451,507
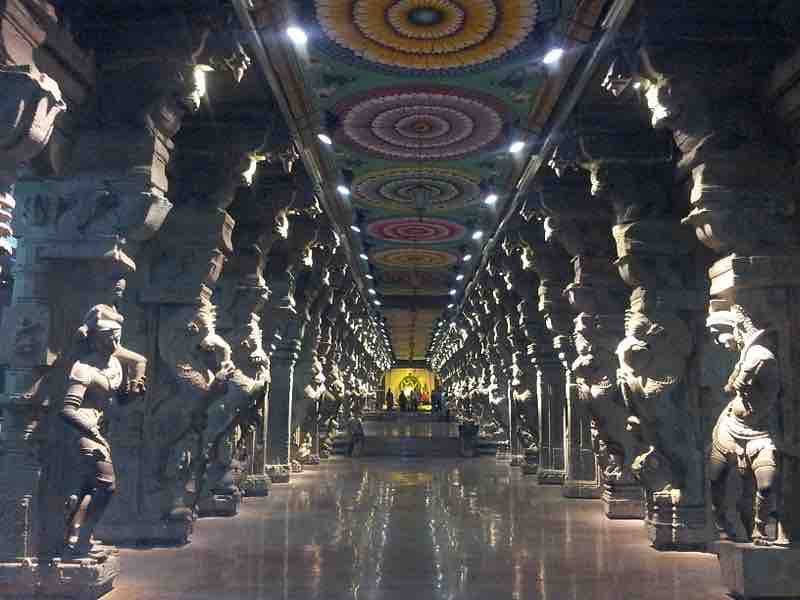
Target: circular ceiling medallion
416,189
416,230
422,123
425,283
428,35
416,258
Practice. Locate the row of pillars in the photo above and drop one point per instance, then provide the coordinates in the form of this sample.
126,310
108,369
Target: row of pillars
664,222
184,325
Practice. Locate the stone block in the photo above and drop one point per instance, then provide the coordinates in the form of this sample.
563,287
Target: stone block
79,579
220,505
256,485
751,572
574,488
623,501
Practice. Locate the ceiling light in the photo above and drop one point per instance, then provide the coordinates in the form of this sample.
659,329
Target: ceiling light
477,235
363,256
355,228
372,291
298,36
459,277
325,139
553,56
343,190
368,276
516,147
637,85
453,292
490,199
376,302
467,257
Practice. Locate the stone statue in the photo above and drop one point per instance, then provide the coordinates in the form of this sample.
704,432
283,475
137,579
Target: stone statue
651,377
523,392
95,380
747,434
328,409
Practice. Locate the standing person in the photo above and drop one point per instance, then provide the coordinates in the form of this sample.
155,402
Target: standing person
436,401
415,400
403,401
389,401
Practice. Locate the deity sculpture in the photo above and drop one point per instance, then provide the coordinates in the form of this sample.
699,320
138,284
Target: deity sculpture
651,378
328,409
95,380
526,407
748,433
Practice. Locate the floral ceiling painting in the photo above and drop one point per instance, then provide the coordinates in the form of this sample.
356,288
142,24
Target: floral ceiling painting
421,100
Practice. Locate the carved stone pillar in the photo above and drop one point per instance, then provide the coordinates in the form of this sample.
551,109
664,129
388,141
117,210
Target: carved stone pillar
243,294
581,224
738,177
287,262
310,385
658,379
523,384
552,266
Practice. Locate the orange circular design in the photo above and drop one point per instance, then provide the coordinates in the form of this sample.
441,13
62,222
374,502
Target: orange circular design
413,258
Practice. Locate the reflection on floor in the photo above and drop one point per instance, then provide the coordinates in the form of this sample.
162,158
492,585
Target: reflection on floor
421,529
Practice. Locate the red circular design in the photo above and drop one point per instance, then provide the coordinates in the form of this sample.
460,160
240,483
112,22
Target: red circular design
428,230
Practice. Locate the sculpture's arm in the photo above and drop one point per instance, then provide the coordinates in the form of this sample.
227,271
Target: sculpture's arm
79,380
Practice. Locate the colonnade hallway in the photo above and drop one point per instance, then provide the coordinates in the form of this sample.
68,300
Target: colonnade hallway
441,528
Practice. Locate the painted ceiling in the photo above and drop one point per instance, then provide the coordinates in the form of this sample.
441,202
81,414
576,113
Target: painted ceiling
422,99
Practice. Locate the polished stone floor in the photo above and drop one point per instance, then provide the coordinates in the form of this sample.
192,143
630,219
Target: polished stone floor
420,529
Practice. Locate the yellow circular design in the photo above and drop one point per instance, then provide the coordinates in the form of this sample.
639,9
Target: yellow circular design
428,34
416,258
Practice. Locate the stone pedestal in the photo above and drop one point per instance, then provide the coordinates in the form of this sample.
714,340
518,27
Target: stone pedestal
279,473
220,505
81,579
672,526
256,485
623,500
751,572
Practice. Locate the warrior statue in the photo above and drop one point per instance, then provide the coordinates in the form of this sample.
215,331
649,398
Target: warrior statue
748,433
96,378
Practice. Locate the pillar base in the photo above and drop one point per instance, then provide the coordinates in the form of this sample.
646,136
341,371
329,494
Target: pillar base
311,459
548,477
623,500
279,473
517,460
675,527
530,468
256,485
751,572
147,533
220,505
574,488
58,579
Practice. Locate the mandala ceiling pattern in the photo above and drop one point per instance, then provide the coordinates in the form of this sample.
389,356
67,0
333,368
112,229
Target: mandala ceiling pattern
422,99
428,35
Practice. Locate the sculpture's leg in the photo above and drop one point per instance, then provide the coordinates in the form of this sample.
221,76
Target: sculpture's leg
765,506
718,469
100,497
746,501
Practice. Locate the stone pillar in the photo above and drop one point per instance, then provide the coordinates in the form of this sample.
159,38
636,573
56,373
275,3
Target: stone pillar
287,262
738,178
581,224
310,384
552,265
